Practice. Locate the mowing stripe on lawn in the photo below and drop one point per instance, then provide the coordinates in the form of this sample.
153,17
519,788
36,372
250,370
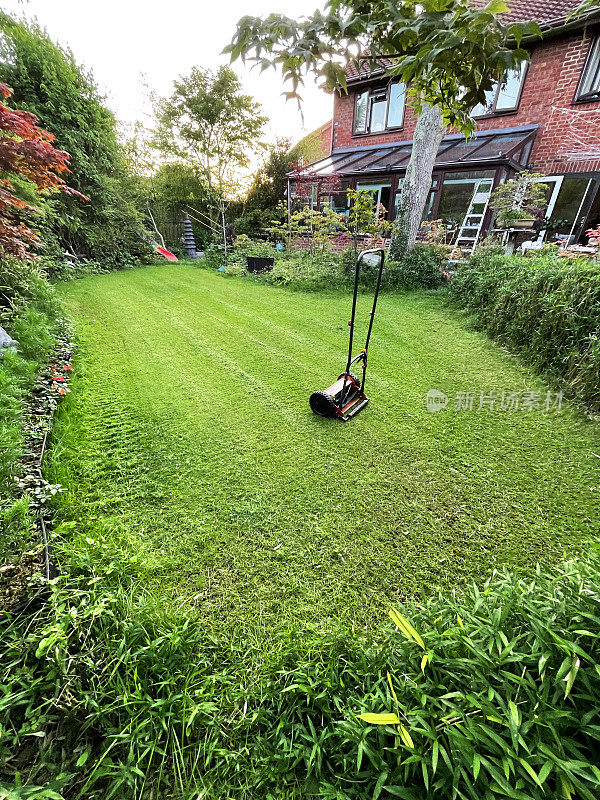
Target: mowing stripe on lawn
189,437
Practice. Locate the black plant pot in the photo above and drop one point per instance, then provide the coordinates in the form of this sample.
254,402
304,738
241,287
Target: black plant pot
259,263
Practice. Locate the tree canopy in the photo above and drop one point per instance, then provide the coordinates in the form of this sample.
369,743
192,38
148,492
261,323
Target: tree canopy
448,52
210,125
48,82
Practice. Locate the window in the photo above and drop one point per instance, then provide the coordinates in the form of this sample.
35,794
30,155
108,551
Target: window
379,109
464,192
380,192
504,95
566,214
337,199
589,85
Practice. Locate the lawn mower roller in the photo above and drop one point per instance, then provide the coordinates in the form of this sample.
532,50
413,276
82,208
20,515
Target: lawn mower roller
346,397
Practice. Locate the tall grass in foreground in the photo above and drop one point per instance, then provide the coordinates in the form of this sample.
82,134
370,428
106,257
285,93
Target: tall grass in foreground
108,695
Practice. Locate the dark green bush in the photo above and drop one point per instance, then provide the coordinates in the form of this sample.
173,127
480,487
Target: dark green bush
490,697
214,257
421,268
244,246
237,253
68,270
543,307
348,259
301,272
325,269
22,282
255,220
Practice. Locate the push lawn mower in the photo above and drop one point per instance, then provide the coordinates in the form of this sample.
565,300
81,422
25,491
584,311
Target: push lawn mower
346,397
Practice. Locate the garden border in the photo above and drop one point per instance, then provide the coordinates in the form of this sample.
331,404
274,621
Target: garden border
41,404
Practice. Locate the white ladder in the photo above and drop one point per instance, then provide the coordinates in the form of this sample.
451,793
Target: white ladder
470,230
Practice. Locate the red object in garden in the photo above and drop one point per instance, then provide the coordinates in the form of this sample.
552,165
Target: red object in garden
166,254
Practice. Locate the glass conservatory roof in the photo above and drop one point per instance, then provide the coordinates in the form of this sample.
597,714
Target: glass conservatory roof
508,145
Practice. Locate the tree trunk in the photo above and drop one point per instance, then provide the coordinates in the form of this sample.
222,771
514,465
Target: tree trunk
428,134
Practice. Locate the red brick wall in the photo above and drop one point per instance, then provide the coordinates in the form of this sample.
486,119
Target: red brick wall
551,81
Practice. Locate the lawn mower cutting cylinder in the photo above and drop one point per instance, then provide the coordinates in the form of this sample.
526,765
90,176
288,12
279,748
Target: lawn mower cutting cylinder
346,397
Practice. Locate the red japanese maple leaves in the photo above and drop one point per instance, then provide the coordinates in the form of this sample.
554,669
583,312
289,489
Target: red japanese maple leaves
25,150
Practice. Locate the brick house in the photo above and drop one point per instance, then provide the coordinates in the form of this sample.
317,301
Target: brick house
544,117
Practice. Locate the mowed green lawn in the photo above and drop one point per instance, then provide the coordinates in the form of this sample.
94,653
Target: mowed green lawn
189,440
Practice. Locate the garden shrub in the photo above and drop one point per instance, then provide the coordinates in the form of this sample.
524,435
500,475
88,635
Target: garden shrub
214,257
235,270
252,222
543,307
298,270
60,269
29,311
495,695
324,269
244,246
421,268
348,259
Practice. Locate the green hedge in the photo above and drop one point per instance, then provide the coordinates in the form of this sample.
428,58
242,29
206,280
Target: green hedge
543,307
107,693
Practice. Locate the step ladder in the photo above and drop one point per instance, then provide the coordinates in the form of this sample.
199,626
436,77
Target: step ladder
470,230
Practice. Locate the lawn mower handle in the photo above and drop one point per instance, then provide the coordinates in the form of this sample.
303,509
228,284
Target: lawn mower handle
362,356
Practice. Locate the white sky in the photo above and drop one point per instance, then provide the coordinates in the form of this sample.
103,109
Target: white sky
129,43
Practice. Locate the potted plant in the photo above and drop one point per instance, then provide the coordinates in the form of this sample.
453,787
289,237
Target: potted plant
518,200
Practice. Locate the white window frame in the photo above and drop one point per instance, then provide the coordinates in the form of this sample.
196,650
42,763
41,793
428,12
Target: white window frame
496,94
370,92
590,74
375,187
558,182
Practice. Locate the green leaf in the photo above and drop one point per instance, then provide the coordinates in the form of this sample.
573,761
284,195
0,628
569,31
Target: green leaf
379,719
545,771
83,757
401,791
572,674
405,736
514,714
566,787
496,7
530,771
379,785
407,629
